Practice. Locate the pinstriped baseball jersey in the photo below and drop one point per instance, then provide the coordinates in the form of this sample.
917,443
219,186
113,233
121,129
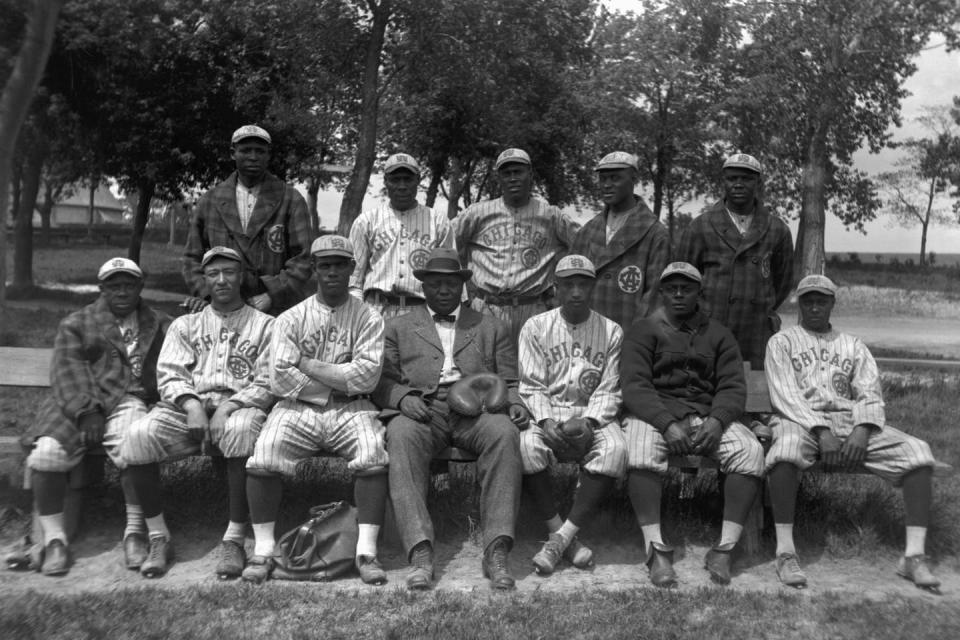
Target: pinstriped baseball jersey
349,336
218,356
823,379
570,370
512,251
389,244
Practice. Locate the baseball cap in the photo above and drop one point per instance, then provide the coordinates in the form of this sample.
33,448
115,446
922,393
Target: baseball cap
401,161
617,160
331,245
219,252
684,269
742,161
250,131
818,283
575,265
114,266
443,260
512,155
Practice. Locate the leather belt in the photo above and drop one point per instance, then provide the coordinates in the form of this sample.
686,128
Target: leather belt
381,297
502,300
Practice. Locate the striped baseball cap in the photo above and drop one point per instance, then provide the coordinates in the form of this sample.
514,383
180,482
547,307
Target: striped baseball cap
250,131
114,266
617,160
742,161
512,155
219,252
575,265
817,283
331,245
684,269
401,161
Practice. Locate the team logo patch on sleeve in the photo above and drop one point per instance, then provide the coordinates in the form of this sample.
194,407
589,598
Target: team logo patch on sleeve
841,385
765,265
530,257
630,279
275,239
418,259
238,367
588,381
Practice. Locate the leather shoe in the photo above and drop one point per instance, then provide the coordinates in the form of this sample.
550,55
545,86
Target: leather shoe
56,561
717,562
915,570
495,564
370,570
420,577
158,558
135,549
232,560
660,564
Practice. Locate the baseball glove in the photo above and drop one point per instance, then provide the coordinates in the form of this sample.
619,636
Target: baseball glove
478,393
577,436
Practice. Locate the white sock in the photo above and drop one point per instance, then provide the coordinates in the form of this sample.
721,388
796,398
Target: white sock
730,532
236,532
651,534
367,540
264,543
157,526
53,528
568,531
785,538
916,541
134,520
554,524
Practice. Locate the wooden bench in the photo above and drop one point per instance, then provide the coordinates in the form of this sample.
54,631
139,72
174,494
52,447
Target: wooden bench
30,367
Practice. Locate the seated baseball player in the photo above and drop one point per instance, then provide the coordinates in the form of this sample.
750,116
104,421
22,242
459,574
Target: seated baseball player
425,352
103,378
570,374
683,391
326,357
825,387
214,388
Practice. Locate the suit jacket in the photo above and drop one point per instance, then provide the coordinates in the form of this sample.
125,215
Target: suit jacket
275,247
413,355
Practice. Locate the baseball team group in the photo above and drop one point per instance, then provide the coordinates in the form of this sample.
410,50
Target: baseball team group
615,353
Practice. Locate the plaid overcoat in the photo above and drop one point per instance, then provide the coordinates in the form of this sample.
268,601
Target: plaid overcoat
275,247
91,370
629,267
745,278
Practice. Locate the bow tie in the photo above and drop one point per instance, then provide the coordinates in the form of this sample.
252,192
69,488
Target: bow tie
438,317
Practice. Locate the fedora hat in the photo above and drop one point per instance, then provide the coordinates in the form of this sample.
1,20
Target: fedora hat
442,261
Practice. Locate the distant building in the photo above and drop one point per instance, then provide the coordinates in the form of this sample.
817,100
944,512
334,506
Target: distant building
75,210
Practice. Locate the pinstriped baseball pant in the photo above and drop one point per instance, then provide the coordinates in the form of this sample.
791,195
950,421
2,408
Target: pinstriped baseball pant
49,455
162,435
297,430
607,455
891,453
739,450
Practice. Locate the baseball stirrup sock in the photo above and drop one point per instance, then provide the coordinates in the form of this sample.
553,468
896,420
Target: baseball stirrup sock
53,528
135,522
236,532
157,526
651,534
916,541
568,531
264,544
785,538
730,532
367,540
554,524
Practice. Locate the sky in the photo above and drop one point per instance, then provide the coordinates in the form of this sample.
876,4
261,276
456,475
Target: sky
935,82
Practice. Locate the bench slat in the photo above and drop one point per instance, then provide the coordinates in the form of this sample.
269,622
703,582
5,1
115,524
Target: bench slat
25,366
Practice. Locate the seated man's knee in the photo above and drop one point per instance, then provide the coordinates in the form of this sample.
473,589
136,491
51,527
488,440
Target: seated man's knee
48,455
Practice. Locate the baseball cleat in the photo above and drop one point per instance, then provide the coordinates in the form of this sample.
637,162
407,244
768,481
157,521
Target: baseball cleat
158,559
135,550
915,569
26,556
717,562
371,571
789,571
496,565
547,559
258,569
578,554
56,560
420,577
660,565
232,560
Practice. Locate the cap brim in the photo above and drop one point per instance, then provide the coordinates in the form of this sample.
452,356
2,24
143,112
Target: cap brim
397,167
823,290
114,272
250,137
420,274
740,165
332,253
614,165
566,273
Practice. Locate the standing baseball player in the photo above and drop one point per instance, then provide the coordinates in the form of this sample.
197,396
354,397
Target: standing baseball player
213,374
683,391
825,387
746,257
103,378
393,240
327,353
626,242
260,217
426,352
569,372
512,244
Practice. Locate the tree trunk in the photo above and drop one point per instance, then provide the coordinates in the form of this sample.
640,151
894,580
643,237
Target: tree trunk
811,250
46,211
145,190
457,183
923,241
15,101
369,107
23,229
94,183
313,188
436,175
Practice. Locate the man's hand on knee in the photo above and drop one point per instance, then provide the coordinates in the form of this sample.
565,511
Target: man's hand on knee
218,422
830,455
708,437
854,449
415,408
678,442
92,427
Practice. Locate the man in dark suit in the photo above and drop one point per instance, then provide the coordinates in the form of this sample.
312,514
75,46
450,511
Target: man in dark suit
426,351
